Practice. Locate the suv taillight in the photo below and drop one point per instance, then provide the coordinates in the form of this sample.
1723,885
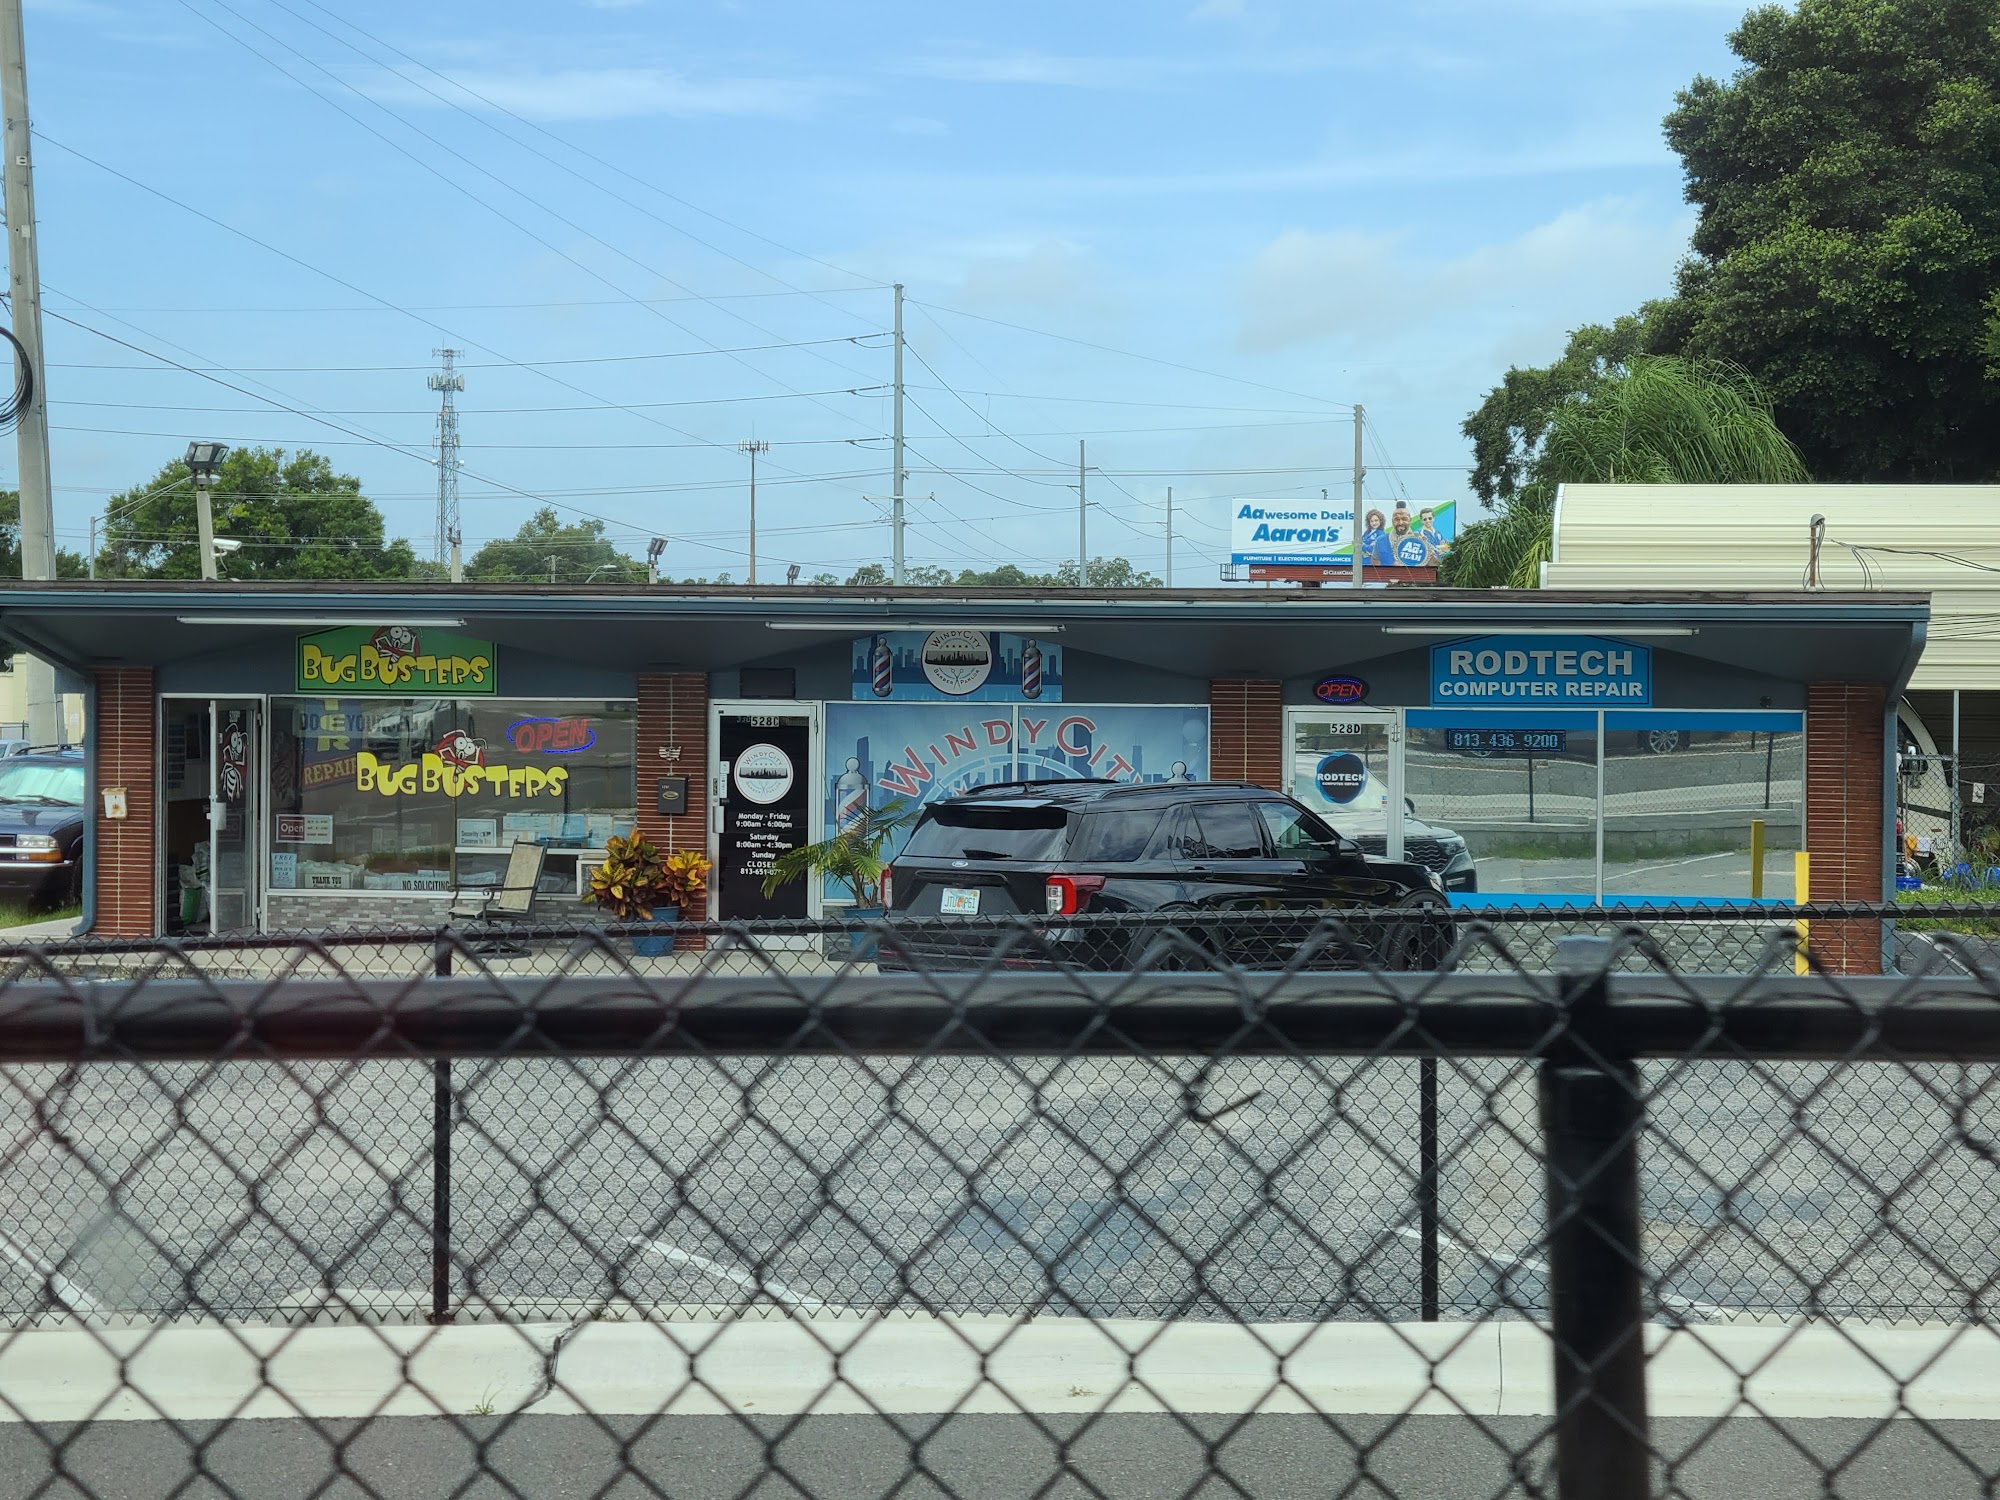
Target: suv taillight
888,888
1067,895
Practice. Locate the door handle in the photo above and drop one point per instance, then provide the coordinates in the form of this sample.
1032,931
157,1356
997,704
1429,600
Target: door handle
1198,869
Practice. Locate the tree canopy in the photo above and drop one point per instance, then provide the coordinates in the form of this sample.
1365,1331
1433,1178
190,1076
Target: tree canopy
545,549
1102,573
1649,420
68,564
295,516
1847,180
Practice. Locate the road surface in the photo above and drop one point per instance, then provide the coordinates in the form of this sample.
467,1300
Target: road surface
969,1185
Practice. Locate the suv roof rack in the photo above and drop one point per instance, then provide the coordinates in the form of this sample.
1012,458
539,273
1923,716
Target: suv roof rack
1045,783
1057,784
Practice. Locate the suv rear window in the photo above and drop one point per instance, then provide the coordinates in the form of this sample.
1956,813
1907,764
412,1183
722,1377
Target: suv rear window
989,833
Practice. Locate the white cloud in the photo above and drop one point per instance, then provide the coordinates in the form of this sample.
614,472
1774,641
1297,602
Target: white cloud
1592,261
619,93
1061,70
1046,274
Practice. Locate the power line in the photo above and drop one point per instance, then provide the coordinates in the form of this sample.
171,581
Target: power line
500,108
460,187
513,306
1132,354
505,364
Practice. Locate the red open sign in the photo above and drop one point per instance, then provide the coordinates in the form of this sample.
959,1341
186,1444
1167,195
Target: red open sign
551,736
1341,690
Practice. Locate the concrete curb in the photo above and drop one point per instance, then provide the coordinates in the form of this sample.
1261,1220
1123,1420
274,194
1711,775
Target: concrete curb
929,1365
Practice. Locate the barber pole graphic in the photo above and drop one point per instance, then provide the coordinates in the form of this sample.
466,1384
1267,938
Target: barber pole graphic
884,667
850,797
1031,670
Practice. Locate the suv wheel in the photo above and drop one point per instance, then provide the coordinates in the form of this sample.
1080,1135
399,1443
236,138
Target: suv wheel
1419,945
1178,946
1662,741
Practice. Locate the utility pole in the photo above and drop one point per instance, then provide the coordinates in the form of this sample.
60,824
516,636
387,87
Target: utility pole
896,480
450,540
753,449
1082,521
1359,472
1170,536
92,561
24,278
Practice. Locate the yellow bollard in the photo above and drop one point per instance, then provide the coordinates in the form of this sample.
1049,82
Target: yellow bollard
1756,859
1802,893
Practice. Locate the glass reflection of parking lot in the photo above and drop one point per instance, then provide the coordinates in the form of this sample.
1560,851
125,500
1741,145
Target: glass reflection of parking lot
1529,818
1679,804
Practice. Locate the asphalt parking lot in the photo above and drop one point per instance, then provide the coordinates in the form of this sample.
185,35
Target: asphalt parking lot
970,1185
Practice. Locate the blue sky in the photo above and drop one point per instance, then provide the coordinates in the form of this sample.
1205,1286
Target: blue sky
1287,205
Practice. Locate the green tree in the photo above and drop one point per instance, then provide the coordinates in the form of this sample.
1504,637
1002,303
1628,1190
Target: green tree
1657,421
1509,426
1991,343
545,550
295,517
1848,186
68,564
1103,573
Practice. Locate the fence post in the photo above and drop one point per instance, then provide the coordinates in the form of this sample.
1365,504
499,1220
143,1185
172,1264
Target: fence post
441,1165
1591,1115
1427,1186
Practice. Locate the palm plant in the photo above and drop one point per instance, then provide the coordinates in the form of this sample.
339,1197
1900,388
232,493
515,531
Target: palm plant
1662,421
853,856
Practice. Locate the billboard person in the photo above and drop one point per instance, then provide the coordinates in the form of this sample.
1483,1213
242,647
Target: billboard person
1375,549
1428,530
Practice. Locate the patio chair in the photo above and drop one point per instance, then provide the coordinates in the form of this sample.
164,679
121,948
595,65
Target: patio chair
512,901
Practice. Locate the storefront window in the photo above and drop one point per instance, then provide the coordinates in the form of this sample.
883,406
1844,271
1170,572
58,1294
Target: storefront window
1680,796
427,794
1519,790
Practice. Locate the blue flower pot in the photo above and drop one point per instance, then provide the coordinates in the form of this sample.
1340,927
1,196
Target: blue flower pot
863,946
658,947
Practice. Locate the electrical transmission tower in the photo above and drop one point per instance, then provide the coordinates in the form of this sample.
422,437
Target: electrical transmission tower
450,541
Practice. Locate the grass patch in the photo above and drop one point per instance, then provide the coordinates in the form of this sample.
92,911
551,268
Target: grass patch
20,913
1941,895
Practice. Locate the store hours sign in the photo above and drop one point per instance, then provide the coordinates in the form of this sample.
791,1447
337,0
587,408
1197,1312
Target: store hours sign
1531,671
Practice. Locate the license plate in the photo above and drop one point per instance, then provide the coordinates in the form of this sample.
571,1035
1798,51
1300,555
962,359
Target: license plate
957,903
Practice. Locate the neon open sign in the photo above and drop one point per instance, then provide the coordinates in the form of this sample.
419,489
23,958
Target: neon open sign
541,736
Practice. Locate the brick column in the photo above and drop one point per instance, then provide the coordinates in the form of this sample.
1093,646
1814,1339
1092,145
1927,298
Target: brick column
673,713
123,744
1246,731
1844,768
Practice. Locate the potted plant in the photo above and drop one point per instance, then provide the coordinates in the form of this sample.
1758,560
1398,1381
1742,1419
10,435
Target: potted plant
636,883
854,858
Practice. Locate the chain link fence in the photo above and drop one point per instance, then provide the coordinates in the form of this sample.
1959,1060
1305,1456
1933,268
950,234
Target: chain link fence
1086,1207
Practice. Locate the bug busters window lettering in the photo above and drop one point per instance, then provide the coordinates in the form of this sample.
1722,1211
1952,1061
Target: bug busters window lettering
1502,671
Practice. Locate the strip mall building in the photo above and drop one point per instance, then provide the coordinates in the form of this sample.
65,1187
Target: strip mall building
292,758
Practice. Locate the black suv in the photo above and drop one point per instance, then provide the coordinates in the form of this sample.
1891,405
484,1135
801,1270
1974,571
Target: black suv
1204,849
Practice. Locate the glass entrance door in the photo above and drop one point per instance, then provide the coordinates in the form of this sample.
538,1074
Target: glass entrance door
1344,766
235,842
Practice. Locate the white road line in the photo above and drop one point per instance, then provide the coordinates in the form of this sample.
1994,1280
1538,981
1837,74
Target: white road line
66,1292
777,1290
1687,1307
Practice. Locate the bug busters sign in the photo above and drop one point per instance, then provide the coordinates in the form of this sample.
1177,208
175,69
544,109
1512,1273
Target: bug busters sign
1506,671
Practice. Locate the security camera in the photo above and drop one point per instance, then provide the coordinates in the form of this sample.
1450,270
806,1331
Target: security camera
227,544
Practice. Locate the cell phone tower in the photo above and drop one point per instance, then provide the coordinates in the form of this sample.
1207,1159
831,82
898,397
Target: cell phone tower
450,542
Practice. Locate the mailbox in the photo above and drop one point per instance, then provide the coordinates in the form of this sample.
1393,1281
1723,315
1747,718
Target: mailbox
673,796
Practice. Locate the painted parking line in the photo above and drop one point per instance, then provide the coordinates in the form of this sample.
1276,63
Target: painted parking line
1685,1307
777,1291
63,1291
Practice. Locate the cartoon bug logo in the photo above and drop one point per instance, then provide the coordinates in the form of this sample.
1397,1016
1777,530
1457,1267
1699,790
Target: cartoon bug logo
394,640
461,750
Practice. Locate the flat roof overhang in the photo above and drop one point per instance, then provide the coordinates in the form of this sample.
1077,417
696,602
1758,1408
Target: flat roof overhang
1265,633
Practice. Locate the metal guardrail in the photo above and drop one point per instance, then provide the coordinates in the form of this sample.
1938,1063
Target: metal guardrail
425,1136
